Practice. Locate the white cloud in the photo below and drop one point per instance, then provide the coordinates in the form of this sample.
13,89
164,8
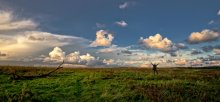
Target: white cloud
86,58
121,23
103,38
157,42
9,22
73,57
203,36
124,5
56,55
21,38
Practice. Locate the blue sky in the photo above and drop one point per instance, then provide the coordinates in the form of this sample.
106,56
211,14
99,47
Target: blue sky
125,20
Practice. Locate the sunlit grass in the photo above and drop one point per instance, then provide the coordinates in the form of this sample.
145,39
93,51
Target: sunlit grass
127,84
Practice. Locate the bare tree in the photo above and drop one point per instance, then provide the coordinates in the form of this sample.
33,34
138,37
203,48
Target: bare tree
155,68
17,77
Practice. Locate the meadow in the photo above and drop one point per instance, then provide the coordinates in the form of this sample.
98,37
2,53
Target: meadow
111,85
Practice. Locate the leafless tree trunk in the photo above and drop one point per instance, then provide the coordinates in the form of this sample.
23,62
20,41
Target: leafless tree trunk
17,77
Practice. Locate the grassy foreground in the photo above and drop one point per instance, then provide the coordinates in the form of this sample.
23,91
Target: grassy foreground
120,85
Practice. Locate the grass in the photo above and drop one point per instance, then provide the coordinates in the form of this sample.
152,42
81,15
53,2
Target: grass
123,84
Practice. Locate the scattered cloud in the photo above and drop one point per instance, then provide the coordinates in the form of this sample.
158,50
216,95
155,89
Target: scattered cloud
206,35
157,42
121,23
124,5
103,38
57,55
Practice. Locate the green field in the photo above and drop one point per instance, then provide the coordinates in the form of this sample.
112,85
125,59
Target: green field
118,85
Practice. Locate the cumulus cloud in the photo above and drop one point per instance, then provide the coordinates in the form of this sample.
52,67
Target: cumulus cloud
157,42
56,55
9,22
86,58
121,23
73,57
203,36
103,38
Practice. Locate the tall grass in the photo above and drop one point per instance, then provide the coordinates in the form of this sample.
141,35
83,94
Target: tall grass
125,84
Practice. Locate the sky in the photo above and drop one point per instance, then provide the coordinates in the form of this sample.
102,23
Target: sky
110,33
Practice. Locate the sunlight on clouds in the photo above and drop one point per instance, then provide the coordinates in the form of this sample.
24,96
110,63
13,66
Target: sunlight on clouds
203,36
180,62
20,37
103,38
57,55
30,42
157,42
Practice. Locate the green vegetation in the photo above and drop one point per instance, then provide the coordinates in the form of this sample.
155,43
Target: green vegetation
121,85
